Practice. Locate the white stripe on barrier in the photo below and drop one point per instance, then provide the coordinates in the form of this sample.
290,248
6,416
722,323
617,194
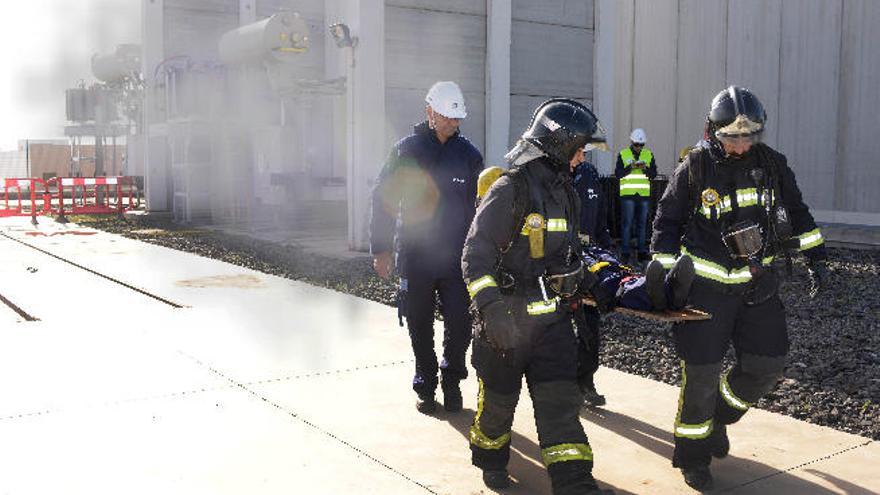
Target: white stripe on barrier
67,182
89,182
24,182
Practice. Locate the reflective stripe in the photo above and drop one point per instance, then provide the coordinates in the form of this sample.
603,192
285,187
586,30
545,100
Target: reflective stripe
635,182
694,432
477,437
744,197
716,272
567,452
595,267
542,307
480,284
810,239
557,225
667,260
684,430
729,397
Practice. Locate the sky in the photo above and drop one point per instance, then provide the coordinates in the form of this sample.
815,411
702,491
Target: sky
45,48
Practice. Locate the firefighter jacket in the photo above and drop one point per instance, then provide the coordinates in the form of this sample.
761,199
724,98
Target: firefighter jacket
707,194
424,199
498,253
594,210
635,181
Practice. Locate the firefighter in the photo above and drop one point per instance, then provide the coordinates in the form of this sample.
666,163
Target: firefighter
522,268
424,202
733,205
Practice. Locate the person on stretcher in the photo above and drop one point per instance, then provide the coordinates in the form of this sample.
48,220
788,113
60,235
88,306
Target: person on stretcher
613,284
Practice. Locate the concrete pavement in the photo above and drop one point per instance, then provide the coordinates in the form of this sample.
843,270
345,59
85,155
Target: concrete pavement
150,370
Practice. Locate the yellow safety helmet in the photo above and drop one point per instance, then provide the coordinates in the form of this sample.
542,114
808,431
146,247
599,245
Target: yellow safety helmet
487,177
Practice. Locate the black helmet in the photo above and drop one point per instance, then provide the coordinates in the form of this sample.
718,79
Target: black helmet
561,126
736,113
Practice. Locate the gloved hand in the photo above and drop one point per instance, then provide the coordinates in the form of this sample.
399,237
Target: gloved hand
818,277
499,325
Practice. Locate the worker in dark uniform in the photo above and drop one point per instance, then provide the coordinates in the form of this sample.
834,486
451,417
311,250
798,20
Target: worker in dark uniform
593,231
522,268
425,198
733,205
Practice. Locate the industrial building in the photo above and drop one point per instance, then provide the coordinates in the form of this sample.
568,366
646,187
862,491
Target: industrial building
254,128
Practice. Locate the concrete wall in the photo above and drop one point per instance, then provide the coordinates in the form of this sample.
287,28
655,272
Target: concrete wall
815,64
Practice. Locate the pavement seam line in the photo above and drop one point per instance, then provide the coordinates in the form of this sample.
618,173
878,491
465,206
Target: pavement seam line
99,274
14,307
308,423
799,466
325,373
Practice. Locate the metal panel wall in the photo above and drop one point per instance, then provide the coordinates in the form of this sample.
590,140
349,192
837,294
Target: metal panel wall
194,27
701,68
810,73
753,36
428,44
858,168
551,55
654,77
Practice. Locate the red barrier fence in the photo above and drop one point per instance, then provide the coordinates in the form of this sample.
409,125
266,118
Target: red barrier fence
69,195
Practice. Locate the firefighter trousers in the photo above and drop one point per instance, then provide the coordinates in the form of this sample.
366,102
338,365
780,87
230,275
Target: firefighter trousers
709,399
547,357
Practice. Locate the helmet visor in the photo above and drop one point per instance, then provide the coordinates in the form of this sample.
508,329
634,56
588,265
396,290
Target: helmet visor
598,139
741,130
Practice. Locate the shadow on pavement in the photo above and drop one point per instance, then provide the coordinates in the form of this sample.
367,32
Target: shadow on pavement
525,466
732,474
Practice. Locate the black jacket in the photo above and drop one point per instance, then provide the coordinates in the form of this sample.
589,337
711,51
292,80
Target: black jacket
594,209
488,246
425,196
686,223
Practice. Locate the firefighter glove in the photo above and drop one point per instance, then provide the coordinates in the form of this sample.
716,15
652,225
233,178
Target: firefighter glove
818,277
499,326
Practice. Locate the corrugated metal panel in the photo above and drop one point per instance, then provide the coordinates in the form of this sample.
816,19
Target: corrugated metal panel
623,75
701,64
196,32
216,6
753,40
406,107
858,170
807,100
654,77
425,46
574,13
456,6
551,60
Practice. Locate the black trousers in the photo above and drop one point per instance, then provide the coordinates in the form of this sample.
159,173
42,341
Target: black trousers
586,321
709,399
546,354
454,302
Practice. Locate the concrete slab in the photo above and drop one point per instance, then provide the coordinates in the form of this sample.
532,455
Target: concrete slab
265,385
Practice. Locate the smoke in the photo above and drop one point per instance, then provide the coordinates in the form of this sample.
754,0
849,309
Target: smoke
48,46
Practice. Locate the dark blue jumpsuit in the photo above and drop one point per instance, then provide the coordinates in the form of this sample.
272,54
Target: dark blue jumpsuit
424,199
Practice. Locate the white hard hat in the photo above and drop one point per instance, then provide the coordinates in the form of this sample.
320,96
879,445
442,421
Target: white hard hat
445,98
638,136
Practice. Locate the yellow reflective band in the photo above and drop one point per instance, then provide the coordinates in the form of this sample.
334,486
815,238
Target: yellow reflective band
667,260
567,452
731,398
477,437
557,225
744,197
595,267
718,273
480,284
810,239
694,432
542,307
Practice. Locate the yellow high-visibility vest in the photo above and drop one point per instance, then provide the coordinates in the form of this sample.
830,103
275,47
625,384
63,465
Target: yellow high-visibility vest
635,182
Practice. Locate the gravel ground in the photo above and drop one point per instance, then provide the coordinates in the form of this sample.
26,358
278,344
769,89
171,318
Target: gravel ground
833,373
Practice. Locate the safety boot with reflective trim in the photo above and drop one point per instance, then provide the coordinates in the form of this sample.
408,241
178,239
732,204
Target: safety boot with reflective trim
496,478
698,478
720,442
426,404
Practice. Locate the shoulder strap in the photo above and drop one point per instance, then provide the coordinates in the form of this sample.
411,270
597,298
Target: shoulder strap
521,201
696,174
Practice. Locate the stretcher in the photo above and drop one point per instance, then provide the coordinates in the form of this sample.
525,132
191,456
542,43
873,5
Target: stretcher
686,314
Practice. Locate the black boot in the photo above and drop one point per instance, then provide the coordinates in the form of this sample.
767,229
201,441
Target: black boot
698,478
496,478
720,442
680,278
655,284
592,398
426,404
452,401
